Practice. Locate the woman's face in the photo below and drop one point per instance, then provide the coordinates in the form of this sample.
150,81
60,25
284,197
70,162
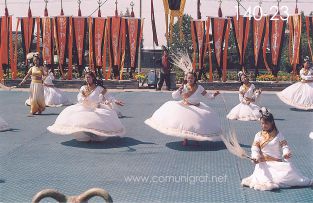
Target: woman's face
88,79
306,65
266,125
190,79
35,61
244,79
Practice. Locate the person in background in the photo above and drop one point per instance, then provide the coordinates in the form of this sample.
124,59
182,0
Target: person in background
165,70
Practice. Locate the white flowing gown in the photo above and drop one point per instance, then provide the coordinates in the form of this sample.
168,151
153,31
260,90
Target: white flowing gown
269,175
194,122
300,94
54,97
244,111
88,117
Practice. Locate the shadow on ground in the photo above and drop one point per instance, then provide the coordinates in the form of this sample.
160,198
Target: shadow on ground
200,146
107,144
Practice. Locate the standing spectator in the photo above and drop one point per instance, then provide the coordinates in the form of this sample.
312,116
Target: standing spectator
165,70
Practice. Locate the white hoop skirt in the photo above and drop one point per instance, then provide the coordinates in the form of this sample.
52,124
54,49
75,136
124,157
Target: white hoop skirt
245,112
298,95
186,121
3,125
273,175
79,120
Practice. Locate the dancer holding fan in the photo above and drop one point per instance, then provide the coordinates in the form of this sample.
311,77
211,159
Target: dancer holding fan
188,118
271,154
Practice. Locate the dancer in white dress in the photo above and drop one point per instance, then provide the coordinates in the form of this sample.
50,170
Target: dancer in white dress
300,94
189,118
246,110
54,97
271,155
86,120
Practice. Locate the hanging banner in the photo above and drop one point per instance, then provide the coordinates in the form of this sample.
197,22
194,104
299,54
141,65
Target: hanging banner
122,48
198,33
155,36
258,31
265,43
27,29
98,39
220,35
6,21
114,25
308,24
295,28
70,49
277,32
208,48
61,24
47,39
241,27
134,33
79,37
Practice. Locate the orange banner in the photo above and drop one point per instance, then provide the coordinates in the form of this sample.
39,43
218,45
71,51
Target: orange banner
61,30
295,27
99,30
79,33
225,51
114,33
265,43
258,37
219,26
308,25
4,40
47,40
123,47
134,35
241,27
70,50
277,28
27,29
198,27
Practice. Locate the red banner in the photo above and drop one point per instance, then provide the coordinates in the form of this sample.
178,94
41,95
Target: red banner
70,49
295,27
277,31
265,43
308,24
198,29
5,23
27,28
114,25
61,30
134,35
99,30
258,37
219,27
47,40
241,27
79,33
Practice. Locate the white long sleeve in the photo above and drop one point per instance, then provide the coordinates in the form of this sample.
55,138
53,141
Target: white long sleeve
80,97
255,149
176,94
283,144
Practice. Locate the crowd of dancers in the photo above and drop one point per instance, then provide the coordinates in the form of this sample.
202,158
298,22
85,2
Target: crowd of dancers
95,117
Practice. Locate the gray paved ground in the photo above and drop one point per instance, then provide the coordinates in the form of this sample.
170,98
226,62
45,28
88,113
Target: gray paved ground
33,159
